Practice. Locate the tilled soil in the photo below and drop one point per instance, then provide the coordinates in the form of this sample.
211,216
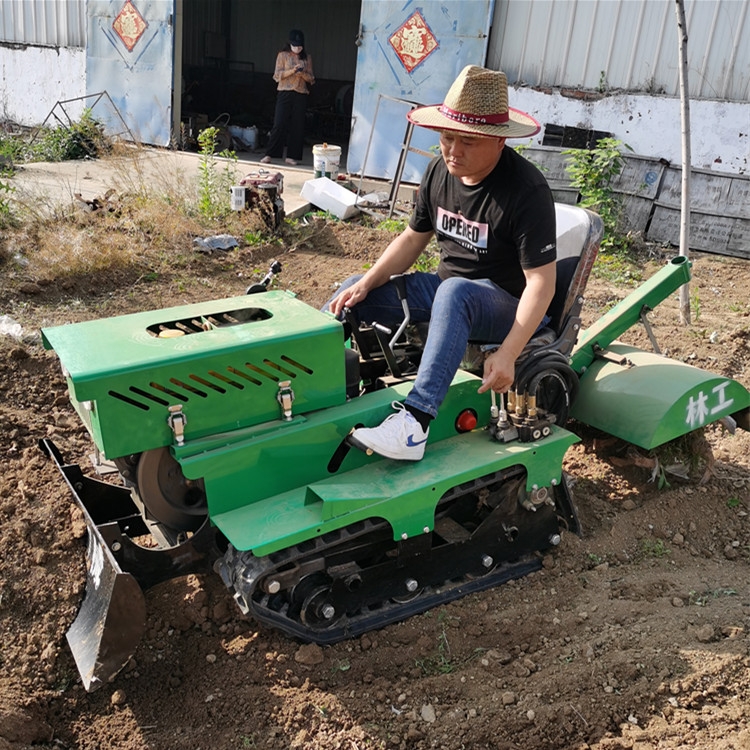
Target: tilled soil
634,634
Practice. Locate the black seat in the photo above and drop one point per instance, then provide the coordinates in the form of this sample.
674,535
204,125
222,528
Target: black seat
579,234
542,369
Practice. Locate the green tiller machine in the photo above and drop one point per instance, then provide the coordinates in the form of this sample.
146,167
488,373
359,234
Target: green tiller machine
228,423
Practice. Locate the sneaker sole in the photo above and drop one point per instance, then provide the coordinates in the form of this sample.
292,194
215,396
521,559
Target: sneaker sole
369,450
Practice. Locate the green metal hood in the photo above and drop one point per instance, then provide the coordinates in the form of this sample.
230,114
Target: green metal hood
650,399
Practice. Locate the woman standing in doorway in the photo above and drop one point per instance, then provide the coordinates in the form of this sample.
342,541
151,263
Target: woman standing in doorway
294,76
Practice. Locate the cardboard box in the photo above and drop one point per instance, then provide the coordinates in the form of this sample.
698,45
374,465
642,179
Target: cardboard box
327,195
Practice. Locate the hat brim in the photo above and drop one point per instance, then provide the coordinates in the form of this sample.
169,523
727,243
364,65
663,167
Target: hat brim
519,125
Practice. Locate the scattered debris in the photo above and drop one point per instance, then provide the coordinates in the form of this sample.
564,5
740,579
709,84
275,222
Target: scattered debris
110,202
217,242
10,327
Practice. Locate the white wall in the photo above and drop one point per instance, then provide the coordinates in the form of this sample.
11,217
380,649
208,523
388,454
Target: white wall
650,125
34,79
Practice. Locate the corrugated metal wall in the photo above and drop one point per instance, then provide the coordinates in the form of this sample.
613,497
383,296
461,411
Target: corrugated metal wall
626,45
53,23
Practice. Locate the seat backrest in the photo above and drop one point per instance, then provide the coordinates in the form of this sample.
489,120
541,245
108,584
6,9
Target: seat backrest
579,234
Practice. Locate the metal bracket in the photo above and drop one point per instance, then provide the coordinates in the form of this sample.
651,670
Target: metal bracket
647,325
177,421
618,359
285,397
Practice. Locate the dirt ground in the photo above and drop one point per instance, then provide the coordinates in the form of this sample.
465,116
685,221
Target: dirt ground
635,634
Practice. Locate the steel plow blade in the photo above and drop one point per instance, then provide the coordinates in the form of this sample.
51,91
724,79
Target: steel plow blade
111,620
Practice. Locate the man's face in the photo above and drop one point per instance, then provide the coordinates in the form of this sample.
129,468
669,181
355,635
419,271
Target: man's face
470,156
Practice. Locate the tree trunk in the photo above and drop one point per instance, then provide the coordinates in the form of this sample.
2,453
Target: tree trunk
686,156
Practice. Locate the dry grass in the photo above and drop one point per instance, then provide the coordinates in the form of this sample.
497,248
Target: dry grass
146,223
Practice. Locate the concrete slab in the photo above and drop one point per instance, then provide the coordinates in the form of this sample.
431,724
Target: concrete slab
49,185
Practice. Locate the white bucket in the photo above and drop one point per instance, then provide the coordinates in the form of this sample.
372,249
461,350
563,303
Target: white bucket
247,137
326,160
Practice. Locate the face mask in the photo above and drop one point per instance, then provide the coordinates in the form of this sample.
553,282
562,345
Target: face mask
296,49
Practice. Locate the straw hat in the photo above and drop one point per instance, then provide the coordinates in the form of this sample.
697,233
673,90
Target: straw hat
477,103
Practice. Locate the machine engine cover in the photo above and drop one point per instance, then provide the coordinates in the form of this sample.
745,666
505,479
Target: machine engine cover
220,361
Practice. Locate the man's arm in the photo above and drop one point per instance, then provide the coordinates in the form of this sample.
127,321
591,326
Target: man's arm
398,257
499,367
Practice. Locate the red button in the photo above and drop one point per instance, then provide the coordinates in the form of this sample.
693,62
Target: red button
467,420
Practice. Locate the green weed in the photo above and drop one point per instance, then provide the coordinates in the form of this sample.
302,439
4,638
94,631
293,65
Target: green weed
254,238
592,172
6,212
618,268
214,186
429,259
392,225
79,140
695,304
703,599
443,661
654,548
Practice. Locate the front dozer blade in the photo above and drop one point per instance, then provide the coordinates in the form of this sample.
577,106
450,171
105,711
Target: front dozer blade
111,621
112,617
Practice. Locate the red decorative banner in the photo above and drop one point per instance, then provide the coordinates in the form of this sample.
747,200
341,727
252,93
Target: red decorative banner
129,25
413,41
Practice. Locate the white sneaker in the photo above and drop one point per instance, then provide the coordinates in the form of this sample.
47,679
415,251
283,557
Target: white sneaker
400,436
266,160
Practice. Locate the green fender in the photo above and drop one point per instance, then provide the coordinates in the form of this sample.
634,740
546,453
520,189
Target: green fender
648,399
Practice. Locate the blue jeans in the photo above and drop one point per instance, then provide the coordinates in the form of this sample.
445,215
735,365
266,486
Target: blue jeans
459,310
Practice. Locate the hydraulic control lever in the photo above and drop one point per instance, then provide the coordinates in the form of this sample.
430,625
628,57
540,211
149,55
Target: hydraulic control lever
399,281
264,283
385,337
381,332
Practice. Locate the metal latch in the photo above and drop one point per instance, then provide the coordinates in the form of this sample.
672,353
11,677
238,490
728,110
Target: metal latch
177,421
285,397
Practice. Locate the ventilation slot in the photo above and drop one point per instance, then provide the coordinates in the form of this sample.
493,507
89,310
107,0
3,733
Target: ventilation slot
150,396
296,364
225,379
281,369
265,374
169,391
129,400
189,388
244,375
202,381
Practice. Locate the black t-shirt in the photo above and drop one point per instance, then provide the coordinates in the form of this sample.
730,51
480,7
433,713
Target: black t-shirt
492,230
